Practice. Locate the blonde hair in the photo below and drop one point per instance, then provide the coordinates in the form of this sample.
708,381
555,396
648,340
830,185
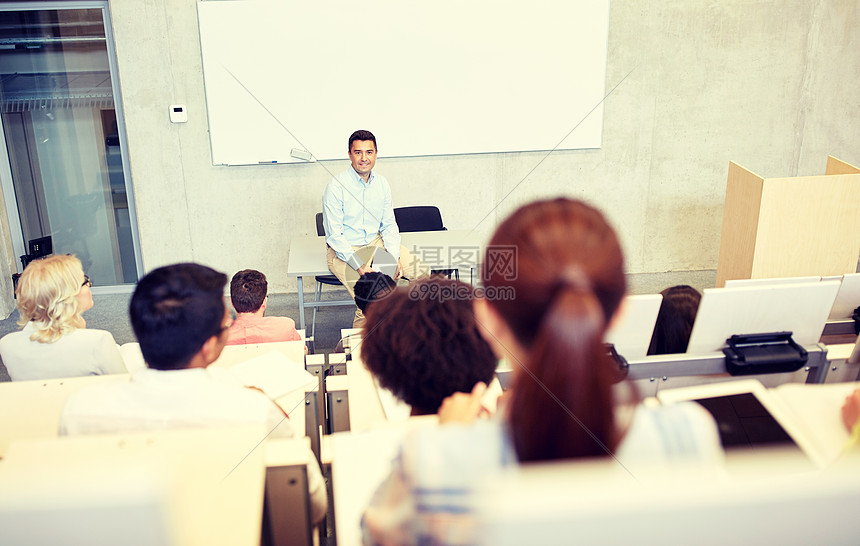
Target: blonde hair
47,293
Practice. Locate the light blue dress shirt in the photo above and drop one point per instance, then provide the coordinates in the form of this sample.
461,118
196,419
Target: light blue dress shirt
354,212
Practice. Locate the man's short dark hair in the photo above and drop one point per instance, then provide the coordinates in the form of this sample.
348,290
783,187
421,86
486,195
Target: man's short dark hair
361,134
371,287
423,343
174,310
248,289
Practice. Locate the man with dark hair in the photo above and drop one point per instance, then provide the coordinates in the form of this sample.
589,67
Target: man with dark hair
177,314
358,216
180,318
248,293
371,287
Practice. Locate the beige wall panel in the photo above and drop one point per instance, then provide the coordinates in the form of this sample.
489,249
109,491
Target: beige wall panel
837,166
740,224
808,226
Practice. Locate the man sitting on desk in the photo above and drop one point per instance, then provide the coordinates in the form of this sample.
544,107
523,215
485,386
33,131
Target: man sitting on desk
358,217
179,316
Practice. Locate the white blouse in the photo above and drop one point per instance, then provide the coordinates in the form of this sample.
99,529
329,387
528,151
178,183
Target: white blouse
81,352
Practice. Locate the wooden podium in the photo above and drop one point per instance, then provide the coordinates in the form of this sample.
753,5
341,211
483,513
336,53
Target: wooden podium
790,227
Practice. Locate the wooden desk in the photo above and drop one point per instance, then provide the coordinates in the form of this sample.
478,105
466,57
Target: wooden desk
289,510
438,249
31,409
368,405
234,354
816,411
230,356
195,486
360,461
294,402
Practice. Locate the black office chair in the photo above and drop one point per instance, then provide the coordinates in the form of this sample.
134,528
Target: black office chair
418,219
321,279
423,218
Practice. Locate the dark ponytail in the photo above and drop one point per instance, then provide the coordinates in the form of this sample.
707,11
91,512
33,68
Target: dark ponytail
569,281
563,398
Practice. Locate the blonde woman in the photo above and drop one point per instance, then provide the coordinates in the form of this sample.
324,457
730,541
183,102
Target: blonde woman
52,293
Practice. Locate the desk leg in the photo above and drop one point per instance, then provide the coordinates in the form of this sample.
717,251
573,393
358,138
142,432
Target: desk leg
301,303
818,367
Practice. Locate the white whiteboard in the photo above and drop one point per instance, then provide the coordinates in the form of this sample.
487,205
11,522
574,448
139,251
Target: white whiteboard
427,78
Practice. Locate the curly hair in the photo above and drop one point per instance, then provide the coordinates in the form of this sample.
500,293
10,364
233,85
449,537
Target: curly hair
46,295
423,343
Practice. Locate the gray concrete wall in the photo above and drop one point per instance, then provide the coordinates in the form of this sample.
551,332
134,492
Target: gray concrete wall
769,84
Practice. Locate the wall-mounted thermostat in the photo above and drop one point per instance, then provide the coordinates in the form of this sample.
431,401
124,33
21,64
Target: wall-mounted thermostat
178,114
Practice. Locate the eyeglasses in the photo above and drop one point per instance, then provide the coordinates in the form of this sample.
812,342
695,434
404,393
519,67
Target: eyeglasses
87,281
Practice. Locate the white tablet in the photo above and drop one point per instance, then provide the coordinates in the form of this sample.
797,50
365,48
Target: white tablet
748,416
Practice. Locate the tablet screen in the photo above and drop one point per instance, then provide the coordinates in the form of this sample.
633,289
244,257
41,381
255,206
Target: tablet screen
744,422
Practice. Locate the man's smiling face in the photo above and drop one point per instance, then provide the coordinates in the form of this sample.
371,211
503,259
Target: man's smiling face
362,154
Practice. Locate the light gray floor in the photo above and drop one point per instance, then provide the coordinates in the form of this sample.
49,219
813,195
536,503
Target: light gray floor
110,311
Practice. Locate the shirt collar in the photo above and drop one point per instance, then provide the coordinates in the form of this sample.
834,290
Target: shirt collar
357,178
247,319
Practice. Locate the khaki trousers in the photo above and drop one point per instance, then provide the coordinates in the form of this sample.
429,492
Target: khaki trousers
413,268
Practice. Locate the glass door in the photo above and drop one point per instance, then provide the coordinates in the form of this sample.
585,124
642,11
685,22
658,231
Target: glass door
65,172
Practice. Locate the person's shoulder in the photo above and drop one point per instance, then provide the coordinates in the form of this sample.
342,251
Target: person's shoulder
94,333
343,176
481,444
439,458
114,386
335,187
283,322
80,337
679,414
380,178
12,337
680,431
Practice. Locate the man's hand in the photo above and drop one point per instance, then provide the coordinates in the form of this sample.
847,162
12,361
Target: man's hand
363,270
399,272
463,408
851,410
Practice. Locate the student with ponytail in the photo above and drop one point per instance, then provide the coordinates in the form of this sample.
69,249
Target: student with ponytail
563,279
